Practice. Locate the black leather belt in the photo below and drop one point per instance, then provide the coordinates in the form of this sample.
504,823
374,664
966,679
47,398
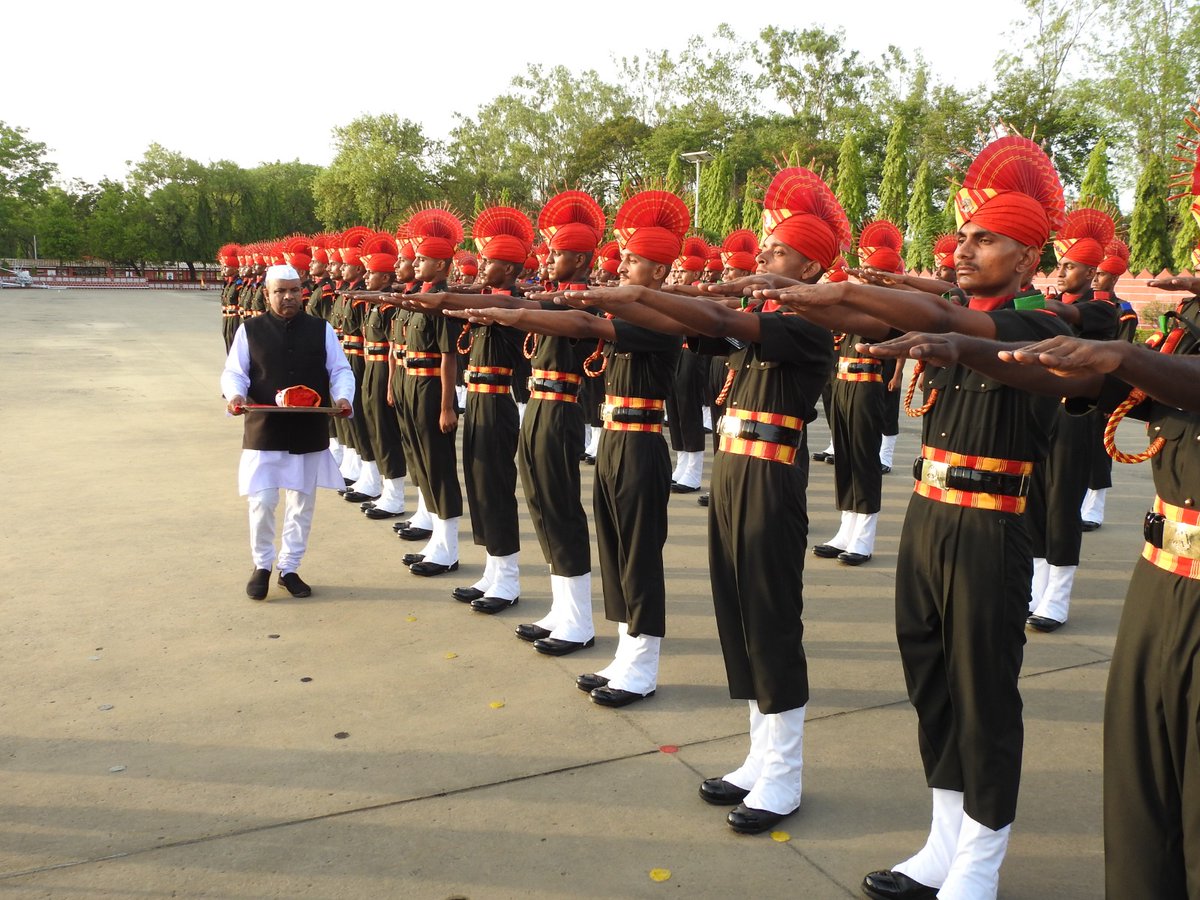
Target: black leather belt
487,378
960,478
861,368
748,430
628,415
552,386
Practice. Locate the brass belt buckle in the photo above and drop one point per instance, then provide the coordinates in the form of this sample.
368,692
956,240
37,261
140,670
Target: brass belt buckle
606,412
934,473
1181,539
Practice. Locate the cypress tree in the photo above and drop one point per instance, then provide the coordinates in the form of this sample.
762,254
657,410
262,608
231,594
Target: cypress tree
752,210
851,186
674,174
1187,236
1096,182
1149,237
922,221
893,188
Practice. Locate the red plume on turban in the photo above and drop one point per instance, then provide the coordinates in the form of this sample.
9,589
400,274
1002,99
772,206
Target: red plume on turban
740,250
1116,258
801,210
1084,236
297,252
503,233
839,271
404,244
572,221
693,256
943,250
435,232
379,252
467,263
609,257
879,246
541,252
1189,177
228,255
1013,189
353,238
714,263
319,247
651,224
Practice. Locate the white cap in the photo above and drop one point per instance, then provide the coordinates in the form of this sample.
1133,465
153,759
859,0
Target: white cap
281,273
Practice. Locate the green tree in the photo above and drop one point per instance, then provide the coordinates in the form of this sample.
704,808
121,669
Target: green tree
922,221
674,178
1187,235
716,185
25,176
851,187
121,225
893,190
752,197
1149,236
1096,182
378,171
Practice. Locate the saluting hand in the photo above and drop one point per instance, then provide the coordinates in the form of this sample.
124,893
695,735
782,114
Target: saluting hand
935,349
1177,283
493,315
805,296
606,297
749,284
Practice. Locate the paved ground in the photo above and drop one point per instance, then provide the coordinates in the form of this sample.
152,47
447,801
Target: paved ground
162,736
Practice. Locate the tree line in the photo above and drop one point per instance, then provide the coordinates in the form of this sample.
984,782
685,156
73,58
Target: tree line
1104,85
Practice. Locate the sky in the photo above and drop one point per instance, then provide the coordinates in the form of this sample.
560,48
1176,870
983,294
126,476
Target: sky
124,74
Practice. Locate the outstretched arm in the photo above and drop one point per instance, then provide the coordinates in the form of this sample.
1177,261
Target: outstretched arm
570,323
906,310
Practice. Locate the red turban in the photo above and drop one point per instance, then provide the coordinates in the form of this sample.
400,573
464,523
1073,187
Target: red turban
532,263
943,250
435,232
1084,236
801,210
503,233
572,221
740,250
879,246
651,224
228,255
1013,189
378,253
693,255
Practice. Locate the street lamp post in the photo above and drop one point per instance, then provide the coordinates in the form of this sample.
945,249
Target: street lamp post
698,157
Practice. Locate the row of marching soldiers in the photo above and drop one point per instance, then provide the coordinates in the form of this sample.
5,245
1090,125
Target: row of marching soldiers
980,546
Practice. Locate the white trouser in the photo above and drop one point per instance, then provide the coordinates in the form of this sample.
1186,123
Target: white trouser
828,451
488,576
570,615
887,449
845,533
1055,601
635,665
351,464
975,872
862,539
297,520
520,412
421,518
593,442
368,481
505,577
774,767
336,449
690,468
442,547
1092,509
391,498
931,864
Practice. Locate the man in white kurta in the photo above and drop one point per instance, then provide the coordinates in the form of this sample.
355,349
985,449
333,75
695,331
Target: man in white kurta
260,366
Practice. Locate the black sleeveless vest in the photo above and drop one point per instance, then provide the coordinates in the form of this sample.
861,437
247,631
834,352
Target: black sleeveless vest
284,353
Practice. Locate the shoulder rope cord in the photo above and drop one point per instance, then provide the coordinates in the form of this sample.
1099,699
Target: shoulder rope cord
529,347
724,392
589,364
465,333
1136,396
912,389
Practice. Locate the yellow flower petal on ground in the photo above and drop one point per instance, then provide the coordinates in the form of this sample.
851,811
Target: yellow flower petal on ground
410,618
660,874
450,654
780,836
497,704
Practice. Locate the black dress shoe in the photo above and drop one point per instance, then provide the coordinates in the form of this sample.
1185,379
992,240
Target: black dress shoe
401,526
428,569
492,605
414,534
259,584
829,459
821,457
349,481
853,559
376,513
1043,624
615,697
702,499
410,559
720,792
558,647
745,820
464,595
589,459
588,683
827,551
532,633
368,504
295,585
886,470
358,497
677,488
888,885
1090,526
